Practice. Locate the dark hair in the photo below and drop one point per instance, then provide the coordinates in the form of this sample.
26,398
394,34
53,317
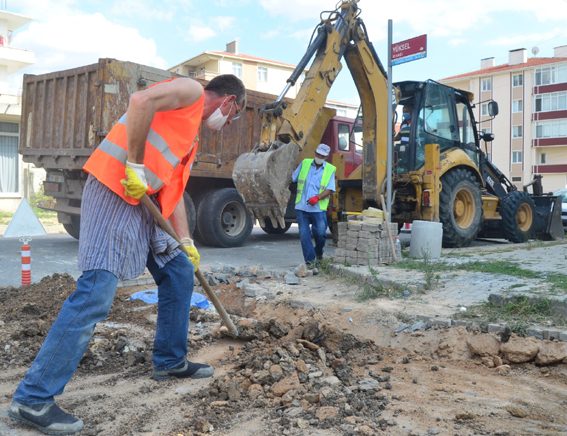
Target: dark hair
228,84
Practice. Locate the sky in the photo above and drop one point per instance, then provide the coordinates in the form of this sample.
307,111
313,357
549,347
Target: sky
70,33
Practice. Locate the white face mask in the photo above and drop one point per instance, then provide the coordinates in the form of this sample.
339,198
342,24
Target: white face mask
217,120
319,161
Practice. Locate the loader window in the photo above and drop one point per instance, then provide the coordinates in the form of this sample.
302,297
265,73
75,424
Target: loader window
466,133
343,137
437,123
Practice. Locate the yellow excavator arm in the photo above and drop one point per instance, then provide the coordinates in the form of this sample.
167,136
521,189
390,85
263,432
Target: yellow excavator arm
262,176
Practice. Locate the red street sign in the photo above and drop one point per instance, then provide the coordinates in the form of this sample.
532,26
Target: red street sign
409,50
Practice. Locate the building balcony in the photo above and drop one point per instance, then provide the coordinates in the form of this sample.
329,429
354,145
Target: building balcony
549,142
15,59
549,115
549,169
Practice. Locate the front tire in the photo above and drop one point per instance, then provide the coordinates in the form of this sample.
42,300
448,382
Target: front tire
271,230
191,213
460,208
518,216
74,229
223,218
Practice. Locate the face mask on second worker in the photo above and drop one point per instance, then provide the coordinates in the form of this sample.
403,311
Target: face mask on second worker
217,119
319,161
406,116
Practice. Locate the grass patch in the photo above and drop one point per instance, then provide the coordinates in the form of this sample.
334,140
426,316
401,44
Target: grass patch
518,314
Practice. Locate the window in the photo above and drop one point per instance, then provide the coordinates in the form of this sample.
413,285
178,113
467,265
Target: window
484,110
344,134
517,179
555,101
489,156
516,157
517,131
543,158
551,128
341,113
262,74
551,75
517,80
487,130
9,162
237,69
486,84
517,105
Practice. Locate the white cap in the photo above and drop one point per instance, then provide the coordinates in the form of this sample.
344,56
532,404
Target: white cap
323,150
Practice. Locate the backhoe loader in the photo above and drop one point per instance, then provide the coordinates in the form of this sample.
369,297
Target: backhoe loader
442,175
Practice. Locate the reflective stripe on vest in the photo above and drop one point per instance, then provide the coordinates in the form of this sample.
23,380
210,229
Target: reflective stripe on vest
328,171
405,133
170,150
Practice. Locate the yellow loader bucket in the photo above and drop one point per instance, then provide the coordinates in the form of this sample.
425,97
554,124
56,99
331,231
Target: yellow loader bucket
262,178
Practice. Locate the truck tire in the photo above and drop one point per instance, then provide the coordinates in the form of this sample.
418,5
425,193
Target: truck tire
197,235
518,216
223,220
74,229
191,212
460,208
271,230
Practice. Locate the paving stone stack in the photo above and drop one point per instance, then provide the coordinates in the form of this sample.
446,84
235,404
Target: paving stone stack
362,241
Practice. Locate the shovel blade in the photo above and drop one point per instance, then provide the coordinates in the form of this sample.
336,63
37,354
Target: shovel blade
262,179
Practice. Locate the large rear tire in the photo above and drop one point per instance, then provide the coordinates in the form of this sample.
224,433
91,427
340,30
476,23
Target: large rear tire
191,213
74,229
197,201
460,208
271,230
518,216
223,219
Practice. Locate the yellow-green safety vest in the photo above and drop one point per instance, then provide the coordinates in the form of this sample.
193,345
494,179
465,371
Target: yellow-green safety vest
328,171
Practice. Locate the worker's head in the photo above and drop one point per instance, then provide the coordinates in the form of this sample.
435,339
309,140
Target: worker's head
406,115
321,153
225,100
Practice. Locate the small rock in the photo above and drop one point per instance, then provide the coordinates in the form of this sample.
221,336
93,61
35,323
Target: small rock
502,369
301,366
520,350
301,423
293,280
516,411
326,412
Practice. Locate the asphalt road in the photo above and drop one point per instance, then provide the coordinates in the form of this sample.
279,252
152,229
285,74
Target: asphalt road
57,253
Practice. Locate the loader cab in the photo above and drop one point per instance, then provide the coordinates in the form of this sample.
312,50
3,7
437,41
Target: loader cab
440,115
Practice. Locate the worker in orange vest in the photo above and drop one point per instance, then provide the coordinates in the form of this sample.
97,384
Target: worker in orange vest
149,150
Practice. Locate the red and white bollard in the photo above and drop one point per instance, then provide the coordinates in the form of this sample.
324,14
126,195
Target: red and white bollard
26,264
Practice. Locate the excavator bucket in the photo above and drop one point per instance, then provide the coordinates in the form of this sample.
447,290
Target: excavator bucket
263,177
548,225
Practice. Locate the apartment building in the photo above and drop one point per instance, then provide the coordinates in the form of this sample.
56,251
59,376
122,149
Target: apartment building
258,74
17,179
531,128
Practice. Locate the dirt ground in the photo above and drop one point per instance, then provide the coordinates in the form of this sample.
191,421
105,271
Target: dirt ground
331,367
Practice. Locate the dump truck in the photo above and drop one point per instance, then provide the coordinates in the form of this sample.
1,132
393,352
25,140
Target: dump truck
66,115
442,175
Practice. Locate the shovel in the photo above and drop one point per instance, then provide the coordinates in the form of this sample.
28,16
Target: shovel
232,330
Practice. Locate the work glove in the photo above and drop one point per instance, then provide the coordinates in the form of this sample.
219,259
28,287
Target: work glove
194,256
313,200
135,184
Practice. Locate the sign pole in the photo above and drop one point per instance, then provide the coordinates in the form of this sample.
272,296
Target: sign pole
389,170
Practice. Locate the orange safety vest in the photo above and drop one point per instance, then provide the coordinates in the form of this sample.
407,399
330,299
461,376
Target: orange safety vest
171,146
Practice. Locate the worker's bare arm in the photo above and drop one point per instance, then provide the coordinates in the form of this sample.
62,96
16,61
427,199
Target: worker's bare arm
179,220
324,194
143,106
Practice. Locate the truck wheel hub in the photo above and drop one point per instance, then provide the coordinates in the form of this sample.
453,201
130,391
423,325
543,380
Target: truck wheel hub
459,208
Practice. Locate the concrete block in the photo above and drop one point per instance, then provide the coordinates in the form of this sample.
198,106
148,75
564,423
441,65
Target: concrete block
353,254
354,225
361,261
372,228
362,255
364,235
442,322
425,318
351,218
460,322
352,241
292,280
372,255
372,262
350,247
352,260
495,328
340,252
496,299
551,334
535,332
352,234
563,336
340,259
342,243
342,226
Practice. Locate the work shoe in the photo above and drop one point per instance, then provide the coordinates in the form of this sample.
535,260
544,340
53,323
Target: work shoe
185,370
312,267
46,417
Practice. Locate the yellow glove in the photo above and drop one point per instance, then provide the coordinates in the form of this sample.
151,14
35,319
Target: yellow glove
135,184
194,256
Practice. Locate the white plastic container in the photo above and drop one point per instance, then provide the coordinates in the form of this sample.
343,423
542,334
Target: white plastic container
426,237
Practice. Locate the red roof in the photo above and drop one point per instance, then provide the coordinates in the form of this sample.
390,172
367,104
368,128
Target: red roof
532,62
251,58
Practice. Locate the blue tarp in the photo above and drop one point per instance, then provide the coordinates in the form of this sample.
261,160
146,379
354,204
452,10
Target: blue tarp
151,297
